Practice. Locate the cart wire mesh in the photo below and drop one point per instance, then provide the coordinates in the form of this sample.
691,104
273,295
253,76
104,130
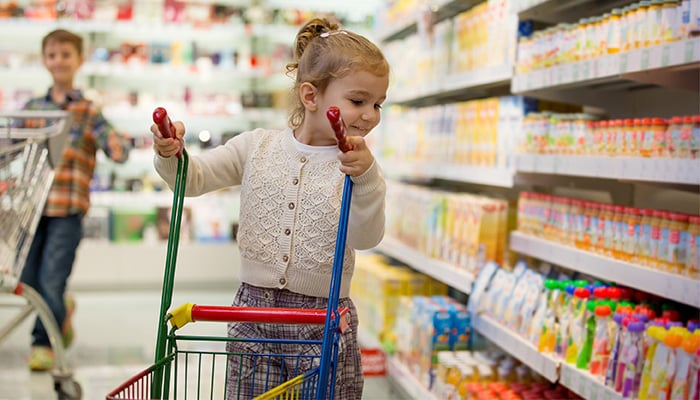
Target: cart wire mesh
29,151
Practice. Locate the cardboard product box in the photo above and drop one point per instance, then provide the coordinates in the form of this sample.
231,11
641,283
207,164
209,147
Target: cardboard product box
131,224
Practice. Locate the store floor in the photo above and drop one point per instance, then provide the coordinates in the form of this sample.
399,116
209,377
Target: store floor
115,338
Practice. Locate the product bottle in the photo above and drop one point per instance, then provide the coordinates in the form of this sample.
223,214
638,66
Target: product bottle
657,372
584,355
654,334
680,388
600,352
619,334
673,137
576,324
644,238
673,342
632,360
692,263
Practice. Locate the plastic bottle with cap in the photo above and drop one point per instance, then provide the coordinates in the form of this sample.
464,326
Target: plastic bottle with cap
600,352
632,360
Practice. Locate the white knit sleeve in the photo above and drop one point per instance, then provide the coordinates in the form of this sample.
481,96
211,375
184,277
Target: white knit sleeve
367,220
212,169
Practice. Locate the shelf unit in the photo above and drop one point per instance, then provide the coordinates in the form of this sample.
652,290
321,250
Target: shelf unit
520,348
659,81
671,286
440,270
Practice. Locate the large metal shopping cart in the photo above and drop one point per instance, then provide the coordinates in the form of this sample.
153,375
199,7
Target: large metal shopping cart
196,366
31,143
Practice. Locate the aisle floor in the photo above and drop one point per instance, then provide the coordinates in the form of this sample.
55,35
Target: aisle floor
115,338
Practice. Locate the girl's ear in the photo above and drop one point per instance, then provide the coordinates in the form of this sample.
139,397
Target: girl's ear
307,95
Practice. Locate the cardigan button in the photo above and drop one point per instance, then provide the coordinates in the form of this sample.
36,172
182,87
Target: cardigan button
283,281
295,181
287,231
302,159
291,206
285,258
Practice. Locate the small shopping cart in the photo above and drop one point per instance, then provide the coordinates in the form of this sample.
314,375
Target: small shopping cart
31,144
196,366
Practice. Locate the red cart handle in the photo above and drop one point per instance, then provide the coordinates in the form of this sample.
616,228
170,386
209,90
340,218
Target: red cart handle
165,125
189,312
333,115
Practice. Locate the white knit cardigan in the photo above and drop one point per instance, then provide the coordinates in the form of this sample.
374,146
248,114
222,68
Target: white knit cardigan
290,204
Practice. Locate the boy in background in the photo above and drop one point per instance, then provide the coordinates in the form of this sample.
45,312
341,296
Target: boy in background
52,253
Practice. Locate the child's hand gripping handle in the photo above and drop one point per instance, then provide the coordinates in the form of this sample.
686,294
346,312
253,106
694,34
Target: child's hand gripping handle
333,115
165,126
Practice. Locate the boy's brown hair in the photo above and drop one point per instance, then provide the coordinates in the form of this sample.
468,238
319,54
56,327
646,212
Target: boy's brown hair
63,36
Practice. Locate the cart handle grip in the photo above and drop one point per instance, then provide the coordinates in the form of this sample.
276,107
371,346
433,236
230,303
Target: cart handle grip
189,312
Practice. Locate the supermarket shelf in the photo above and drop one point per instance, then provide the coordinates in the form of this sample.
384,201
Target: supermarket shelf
148,28
585,385
147,71
486,82
407,25
520,348
440,270
667,285
556,11
611,67
630,84
136,121
501,177
402,378
679,171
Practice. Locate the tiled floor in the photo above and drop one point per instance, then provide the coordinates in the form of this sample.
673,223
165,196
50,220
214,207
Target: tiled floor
115,338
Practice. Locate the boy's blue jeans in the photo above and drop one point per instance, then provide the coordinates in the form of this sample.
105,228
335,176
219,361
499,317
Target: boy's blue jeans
49,264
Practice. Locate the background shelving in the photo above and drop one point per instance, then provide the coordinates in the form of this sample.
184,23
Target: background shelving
656,81
671,286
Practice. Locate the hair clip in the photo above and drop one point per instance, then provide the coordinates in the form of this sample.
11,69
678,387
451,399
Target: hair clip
326,34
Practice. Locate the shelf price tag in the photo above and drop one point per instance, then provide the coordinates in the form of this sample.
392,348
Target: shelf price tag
644,63
689,53
666,55
586,67
623,62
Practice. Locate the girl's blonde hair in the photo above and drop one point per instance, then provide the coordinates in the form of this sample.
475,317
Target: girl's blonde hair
322,53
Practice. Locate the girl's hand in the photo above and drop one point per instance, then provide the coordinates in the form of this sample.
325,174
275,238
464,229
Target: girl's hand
168,147
358,160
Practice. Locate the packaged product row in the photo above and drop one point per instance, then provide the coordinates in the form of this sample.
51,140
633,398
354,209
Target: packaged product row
636,344
462,229
658,239
476,132
580,133
197,13
125,217
377,286
479,38
638,25
469,375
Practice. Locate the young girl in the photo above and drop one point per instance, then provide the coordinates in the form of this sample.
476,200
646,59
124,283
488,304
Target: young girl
291,185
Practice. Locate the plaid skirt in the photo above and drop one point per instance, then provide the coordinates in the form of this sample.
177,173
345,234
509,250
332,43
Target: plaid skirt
250,376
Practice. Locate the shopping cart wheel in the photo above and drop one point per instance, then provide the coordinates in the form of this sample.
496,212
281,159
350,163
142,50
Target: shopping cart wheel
68,389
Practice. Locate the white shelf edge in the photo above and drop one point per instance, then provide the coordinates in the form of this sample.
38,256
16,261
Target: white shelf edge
461,81
402,377
671,286
680,171
493,176
440,270
610,66
520,348
584,384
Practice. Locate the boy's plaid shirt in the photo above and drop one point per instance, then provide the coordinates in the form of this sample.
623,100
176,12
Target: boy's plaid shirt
70,192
